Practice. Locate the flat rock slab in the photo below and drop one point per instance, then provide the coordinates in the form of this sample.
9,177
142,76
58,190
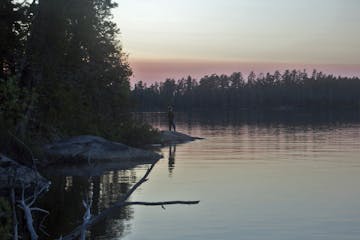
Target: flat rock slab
92,149
12,171
169,138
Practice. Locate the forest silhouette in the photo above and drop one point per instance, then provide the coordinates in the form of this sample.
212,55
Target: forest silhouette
291,89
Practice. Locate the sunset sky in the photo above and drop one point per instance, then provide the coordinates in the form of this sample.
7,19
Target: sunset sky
175,38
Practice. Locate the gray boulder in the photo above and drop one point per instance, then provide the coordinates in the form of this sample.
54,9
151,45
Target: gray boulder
169,138
93,149
12,172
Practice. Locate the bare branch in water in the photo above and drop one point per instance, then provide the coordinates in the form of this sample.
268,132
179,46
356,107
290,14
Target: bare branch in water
79,231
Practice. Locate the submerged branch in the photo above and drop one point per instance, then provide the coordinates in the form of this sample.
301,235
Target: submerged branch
162,203
122,203
94,219
142,180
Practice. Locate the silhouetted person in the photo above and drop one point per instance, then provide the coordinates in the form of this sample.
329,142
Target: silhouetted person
171,164
171,118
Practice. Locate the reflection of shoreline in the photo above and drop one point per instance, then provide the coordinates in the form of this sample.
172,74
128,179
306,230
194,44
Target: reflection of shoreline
171,163
239,117
67,193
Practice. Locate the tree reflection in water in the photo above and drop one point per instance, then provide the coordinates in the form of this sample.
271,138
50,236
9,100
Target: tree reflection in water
64,201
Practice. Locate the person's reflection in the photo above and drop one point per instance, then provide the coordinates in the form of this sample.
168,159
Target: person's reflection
171,164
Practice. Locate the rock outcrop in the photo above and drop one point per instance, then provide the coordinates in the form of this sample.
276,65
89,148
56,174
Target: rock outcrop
93,150
169,138
12,172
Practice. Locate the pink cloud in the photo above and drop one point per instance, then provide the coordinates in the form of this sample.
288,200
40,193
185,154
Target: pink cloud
159,70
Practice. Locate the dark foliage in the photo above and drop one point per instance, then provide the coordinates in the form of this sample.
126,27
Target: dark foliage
62,69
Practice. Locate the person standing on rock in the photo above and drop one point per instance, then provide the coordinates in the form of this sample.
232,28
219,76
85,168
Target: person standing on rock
171,118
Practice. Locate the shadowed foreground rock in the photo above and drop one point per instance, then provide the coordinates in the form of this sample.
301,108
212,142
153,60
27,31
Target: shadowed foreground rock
19,174
92,150
169,138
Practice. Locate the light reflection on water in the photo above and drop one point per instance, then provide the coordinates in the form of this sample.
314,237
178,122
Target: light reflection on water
256,180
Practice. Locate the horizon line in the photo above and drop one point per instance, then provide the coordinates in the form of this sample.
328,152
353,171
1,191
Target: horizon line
152,70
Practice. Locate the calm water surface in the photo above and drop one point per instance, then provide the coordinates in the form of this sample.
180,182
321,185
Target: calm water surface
256,179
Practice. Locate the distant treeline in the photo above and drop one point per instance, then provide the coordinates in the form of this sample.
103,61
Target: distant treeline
287,90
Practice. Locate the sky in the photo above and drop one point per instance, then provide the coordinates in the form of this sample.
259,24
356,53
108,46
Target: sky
176,38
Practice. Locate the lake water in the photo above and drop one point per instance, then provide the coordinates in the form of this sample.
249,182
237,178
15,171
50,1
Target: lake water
258,176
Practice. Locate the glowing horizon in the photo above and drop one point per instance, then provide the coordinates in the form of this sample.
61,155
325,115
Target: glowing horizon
172,38
159,70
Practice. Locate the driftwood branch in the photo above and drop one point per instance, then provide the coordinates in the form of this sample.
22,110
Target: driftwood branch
122,203
79,230
87,203
162,203
141,181
15,223
26,203
14,217
28,209
95,219
28,216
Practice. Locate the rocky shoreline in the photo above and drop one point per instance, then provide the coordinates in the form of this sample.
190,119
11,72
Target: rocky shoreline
15,175
92,149
172,138
85,155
